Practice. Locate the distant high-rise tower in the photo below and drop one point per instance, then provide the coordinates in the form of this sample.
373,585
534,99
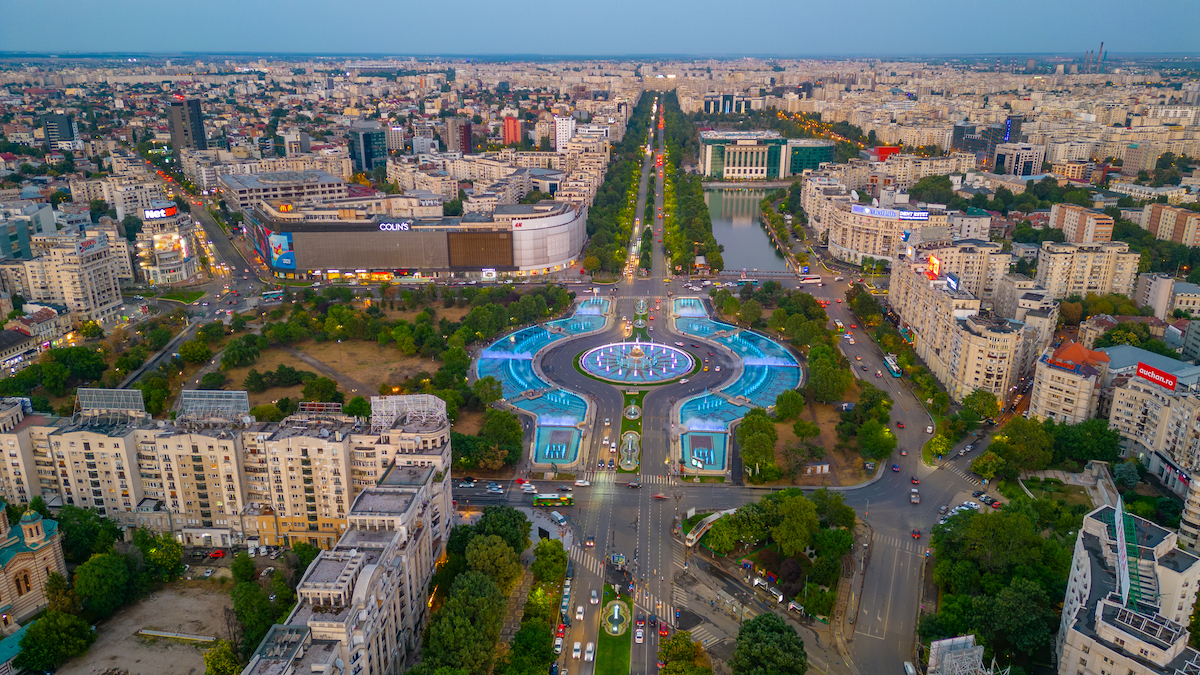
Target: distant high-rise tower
512,130
368,145
59,128
564,129
187,125
458,135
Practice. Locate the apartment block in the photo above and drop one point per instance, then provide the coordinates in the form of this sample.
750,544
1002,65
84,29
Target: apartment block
1067,383
1171,223
363,602
1099,324
977,265
222,482
964,348
1157,291
1185,297
1067,269
1129,598
1076,170
1081,225
1018,159
80,273
1154,409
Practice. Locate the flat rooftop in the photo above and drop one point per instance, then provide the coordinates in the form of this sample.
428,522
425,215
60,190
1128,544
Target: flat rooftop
276,179
382,502
406,476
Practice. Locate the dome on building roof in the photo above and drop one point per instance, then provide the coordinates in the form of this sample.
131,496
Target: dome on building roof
30,516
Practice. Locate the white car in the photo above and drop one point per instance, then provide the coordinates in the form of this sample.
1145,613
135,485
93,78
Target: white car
684,381
582,483
590,654
595,597
575,650
558,645
639,636
579,613
929,429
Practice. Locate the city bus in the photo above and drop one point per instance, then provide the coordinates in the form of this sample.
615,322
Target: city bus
892,366
743,281
272,296
809,279
552,499
841,327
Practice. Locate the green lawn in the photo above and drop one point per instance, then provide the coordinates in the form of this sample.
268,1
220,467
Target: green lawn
1055,490
628,424
186,297
613,653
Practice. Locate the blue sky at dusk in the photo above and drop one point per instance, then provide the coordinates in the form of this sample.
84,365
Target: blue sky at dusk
613,28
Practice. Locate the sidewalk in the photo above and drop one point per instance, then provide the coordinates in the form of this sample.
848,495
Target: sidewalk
516,604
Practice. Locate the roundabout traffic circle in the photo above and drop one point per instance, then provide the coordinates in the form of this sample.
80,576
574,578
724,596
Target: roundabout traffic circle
636,363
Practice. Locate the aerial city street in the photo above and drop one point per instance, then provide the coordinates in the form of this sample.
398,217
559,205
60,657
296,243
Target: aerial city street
446,356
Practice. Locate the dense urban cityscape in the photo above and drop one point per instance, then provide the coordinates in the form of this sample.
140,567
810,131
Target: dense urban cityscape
367,364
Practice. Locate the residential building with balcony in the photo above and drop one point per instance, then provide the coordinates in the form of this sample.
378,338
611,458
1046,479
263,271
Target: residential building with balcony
1067,269
1129,597
1066,384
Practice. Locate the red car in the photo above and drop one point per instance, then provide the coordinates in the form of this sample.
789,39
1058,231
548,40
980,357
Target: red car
899,425
219,553
562,629
662,629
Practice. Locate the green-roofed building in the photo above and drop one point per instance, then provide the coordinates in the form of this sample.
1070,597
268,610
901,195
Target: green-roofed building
29,552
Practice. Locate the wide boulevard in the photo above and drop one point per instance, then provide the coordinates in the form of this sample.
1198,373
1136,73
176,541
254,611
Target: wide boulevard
632,522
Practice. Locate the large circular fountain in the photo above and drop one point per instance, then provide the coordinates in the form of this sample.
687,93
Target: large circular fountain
636,362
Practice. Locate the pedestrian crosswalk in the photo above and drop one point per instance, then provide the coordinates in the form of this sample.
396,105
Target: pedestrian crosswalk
615,477
954,467
906,544
588,559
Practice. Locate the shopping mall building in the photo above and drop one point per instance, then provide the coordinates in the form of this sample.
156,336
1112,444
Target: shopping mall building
304,242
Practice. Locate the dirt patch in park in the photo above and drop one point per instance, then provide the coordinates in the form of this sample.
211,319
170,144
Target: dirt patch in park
368,362
468,422
268,360
454,314
194,607
845,464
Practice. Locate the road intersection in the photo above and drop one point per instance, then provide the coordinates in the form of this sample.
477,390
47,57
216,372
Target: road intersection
883,608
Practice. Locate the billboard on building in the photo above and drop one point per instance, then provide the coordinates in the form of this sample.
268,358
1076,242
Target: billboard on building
283,256
1159,377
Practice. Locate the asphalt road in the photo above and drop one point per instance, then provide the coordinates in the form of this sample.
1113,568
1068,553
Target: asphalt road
632,522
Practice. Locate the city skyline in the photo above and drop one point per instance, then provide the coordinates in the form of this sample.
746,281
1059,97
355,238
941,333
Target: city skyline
950,29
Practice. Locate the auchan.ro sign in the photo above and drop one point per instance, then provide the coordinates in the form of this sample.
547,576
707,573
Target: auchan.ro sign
1156,376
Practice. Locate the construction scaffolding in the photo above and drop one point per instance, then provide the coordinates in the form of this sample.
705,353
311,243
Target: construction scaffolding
959,656
198,404
410,409
95,401
319,408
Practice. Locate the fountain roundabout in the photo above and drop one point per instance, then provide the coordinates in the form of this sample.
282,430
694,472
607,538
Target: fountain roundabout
636,362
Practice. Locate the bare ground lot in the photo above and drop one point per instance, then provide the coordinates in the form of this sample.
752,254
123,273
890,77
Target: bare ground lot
845,465
184,607
368,362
